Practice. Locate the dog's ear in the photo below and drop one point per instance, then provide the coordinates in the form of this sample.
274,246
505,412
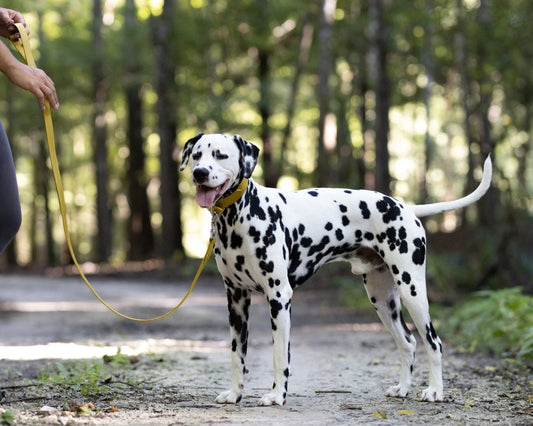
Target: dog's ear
189,145
249,156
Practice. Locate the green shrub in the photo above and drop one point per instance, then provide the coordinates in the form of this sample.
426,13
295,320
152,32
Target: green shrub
500,321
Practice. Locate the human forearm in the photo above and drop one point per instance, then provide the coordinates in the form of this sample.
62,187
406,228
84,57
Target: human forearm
28,78
8,63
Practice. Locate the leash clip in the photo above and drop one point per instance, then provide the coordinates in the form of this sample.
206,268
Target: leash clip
214,215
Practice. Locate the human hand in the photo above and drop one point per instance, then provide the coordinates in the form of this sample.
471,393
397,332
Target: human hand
35,81
8,19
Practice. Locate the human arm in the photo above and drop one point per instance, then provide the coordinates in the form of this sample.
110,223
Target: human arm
28,78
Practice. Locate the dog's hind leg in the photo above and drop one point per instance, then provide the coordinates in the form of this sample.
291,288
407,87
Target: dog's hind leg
415,300
383,294
238,307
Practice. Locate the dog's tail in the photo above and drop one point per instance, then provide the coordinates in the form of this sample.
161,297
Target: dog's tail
435,208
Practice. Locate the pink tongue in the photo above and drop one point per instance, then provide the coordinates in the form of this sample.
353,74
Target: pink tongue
205,197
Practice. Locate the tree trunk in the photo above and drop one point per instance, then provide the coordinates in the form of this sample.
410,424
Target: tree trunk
265,112
171,238
44,172
139,227
461,63
303,56
42,185
428,92
525,148
324,68
488,205
103,211
381,86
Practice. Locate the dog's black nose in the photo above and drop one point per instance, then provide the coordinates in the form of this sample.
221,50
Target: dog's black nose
200,175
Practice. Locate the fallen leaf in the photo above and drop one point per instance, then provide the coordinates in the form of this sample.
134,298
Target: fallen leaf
469,404
490,368
381,415
113,409
405,413
86,409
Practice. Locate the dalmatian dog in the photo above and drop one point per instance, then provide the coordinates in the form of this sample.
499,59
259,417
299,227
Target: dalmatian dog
272,241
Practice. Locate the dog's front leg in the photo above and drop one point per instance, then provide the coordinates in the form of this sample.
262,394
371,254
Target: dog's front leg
280,316
238,307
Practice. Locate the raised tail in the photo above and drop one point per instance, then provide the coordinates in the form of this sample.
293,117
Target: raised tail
435,208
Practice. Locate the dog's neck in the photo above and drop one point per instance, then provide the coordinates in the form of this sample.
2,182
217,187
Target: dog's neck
232,198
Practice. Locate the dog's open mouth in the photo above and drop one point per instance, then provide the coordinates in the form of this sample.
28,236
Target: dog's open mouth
207,196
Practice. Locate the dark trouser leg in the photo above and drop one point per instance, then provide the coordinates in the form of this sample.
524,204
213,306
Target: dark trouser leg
10,214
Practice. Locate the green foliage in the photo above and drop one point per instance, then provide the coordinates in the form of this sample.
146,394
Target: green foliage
7,417
85,377
88,377
499,321
352,289
119,359
450,270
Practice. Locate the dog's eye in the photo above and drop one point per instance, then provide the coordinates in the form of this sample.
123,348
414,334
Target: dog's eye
220,156
196,156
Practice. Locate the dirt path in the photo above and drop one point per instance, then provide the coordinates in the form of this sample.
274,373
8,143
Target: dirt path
341,364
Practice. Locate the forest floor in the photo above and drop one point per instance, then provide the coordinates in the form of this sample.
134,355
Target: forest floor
169,372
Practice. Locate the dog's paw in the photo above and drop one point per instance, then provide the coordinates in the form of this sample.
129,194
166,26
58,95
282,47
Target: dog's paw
432,395
272,398
397,391
228,397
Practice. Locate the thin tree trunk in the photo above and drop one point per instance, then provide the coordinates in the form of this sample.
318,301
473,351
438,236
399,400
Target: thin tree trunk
382,91
303,57
45,176
43,183
362,89
428,92
103,211
488,205
461,55
171,238
324,70
139,226
525,147
265,113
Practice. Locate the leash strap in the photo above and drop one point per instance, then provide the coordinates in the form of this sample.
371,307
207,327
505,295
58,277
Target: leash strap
23,47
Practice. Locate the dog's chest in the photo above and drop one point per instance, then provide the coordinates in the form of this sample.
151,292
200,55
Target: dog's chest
250,243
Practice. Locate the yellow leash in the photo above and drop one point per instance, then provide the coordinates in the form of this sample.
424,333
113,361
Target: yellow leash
23,47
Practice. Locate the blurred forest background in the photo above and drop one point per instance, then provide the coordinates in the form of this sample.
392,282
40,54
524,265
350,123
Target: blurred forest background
406,97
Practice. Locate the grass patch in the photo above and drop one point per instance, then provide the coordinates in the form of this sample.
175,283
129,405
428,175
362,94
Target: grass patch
86,378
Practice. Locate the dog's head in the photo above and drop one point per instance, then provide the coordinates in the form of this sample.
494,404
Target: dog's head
218,164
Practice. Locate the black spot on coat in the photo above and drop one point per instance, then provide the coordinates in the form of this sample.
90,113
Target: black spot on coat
419,255
364,210
389,208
